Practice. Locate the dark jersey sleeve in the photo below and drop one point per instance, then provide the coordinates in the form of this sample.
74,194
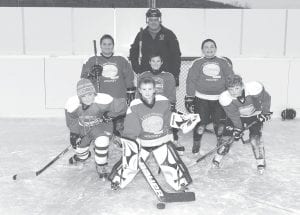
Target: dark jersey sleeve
175,55
134,54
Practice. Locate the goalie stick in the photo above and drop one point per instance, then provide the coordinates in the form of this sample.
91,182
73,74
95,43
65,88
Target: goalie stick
162,195
218,147
31,174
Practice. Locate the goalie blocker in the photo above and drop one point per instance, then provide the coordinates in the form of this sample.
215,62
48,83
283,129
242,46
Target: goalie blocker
132,161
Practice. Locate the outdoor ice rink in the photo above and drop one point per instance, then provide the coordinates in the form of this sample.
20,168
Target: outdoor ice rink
236,188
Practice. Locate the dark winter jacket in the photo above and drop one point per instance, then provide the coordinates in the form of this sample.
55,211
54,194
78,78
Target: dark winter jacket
165,43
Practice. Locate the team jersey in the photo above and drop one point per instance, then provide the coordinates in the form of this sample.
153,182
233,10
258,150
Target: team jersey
79,119
254,100
206,77
116,77
164,84
149,124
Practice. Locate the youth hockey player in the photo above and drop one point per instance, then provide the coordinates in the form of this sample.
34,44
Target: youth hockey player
164,85
204,83
243,104
148,122
89,116
116,75
156,38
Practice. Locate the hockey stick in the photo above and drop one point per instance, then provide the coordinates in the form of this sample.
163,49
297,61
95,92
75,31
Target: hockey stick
31,174
162,195
95,53
218,147
140,46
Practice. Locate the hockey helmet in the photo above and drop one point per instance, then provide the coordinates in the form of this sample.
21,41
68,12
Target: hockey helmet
288,113
153,12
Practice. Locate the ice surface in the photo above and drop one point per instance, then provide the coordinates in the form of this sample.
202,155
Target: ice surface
235,188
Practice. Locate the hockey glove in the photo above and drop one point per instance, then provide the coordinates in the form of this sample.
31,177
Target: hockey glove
130,94
189,103
96,71
173,107
106,118
75,140
237,133
263,117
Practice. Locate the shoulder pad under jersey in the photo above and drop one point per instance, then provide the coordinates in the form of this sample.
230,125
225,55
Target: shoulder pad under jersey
160,98
253,88
72,104
225,98
103,98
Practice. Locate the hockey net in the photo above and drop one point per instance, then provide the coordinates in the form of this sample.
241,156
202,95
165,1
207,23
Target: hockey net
186,63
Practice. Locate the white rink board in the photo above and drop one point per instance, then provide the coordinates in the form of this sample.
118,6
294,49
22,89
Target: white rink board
273,73
90,24
263,33
61,75
11,41
22,86
294,82
48,31
224,26
128,24
293,34
188,26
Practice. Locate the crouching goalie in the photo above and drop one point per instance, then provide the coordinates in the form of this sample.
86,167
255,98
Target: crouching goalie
147,130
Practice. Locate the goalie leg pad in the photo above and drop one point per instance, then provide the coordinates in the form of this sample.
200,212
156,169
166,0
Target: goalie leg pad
101,150
174,170
126,168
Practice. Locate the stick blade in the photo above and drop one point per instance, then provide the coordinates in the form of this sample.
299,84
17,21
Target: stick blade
24,175
179,197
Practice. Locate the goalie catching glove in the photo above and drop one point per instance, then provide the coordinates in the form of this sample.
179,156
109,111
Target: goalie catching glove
96,71
189,103
186,122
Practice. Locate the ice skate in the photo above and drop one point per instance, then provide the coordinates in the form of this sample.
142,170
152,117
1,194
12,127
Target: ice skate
196,147
179,148
75,159
115,186
102,171
215,164
261,169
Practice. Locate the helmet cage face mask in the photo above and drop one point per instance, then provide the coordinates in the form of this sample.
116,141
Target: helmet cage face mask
153,12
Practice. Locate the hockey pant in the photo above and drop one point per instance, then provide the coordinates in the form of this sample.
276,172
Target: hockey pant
172,167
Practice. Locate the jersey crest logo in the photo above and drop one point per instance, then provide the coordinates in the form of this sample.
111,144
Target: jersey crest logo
110,71
212,69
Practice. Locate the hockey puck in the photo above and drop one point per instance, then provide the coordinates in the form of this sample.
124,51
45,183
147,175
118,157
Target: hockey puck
160,205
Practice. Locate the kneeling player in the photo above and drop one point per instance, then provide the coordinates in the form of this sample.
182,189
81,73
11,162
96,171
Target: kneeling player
89,116
148,122
244,104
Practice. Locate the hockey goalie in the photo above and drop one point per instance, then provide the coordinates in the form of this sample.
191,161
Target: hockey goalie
147,131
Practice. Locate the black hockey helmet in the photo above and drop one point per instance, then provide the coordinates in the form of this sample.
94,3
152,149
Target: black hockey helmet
288,113
153,12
